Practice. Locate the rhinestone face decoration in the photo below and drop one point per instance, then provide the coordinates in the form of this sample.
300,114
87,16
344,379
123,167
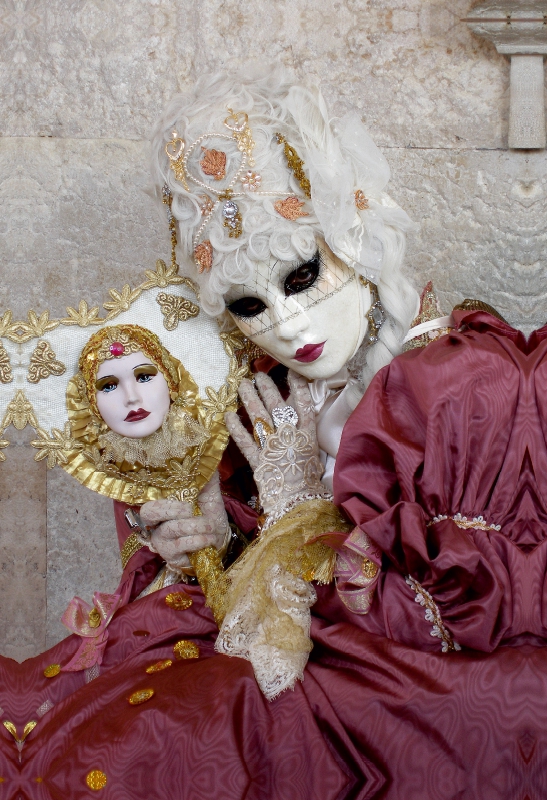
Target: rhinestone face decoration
284,414
116,348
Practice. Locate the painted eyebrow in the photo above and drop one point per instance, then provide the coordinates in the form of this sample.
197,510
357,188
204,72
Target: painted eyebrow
147,364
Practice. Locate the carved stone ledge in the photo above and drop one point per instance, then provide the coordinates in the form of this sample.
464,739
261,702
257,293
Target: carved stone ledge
519,30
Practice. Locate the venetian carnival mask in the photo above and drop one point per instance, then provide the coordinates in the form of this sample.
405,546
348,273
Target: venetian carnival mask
308,316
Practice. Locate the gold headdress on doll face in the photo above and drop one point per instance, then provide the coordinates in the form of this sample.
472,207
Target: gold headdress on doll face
175,461
119,341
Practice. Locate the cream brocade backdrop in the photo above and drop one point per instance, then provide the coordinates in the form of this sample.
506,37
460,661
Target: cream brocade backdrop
82,83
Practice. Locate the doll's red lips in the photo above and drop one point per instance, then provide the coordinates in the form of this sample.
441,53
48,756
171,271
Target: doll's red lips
309,353
135,416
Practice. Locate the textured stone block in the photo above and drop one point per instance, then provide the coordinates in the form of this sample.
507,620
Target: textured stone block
483,232
23,548
76,220
101,68
82,552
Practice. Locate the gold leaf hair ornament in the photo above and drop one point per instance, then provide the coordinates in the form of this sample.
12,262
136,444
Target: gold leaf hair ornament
213,164
295,164
290,208
121,340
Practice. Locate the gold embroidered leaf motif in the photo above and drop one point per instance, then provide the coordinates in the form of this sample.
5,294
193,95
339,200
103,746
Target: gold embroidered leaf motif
121,301
56,449
5,366
20,331
184,649
3,443
19,413
213,163
5,323
43,363
83,317
164,276
141,696
290,208
28,728
175,309
9,726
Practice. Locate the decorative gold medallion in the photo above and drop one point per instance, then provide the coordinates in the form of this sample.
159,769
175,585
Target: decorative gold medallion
185,649
175,309
360,200
94,618
178,601
96,779
43,363
370,569
141,696
5,366
52,670
19,413
159,666
213,163
290,208
203,254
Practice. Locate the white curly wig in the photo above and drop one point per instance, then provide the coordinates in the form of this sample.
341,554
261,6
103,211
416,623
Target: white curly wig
339,159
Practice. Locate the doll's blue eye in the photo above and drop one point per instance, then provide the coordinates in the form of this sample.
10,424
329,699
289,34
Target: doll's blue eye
108,387
144,377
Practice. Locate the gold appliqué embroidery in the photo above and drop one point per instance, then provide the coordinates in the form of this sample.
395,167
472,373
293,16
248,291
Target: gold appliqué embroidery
43,363
370,569
290,208
295,164
96,780
52,670
5,366
213,163
432,614
131,546
57,448
175,309
179,601
203,254
19,413
185,649
141,696
159,666
94,618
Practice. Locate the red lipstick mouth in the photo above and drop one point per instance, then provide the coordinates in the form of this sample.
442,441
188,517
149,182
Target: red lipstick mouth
309,353
135,416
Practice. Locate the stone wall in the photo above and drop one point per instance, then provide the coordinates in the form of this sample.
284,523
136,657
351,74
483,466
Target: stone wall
83,81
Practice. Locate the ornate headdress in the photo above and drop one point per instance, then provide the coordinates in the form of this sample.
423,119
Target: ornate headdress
121,340
308,179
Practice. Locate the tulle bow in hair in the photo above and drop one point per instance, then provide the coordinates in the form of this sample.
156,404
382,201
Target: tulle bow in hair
342,159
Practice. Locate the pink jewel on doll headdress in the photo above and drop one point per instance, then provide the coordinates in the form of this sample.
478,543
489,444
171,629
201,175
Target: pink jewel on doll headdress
117,349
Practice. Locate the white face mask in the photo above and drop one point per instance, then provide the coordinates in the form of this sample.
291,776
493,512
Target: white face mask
307,316
132,395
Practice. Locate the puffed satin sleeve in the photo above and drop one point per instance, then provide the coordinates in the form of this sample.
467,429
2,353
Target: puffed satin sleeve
423,444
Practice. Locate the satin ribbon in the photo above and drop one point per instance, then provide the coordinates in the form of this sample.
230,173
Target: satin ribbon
77,619
334,399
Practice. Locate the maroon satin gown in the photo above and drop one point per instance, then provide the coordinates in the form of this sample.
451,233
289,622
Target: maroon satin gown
457,428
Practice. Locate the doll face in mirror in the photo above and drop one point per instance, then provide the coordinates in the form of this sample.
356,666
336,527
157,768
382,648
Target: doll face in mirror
132,395
307,316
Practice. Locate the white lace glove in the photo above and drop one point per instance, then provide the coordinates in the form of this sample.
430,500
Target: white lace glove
176,531
285,461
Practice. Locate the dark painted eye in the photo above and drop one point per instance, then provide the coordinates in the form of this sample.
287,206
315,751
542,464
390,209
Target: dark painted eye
247,307
303,277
